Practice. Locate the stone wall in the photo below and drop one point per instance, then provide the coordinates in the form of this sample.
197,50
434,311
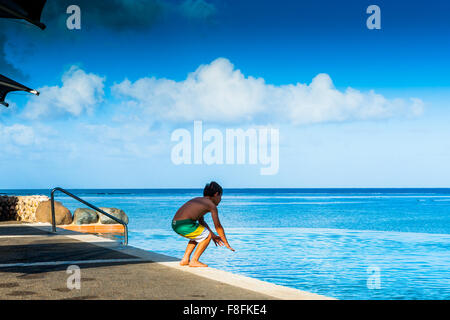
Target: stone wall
20,208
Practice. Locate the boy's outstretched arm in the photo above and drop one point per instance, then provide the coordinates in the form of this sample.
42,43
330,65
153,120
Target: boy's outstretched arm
219,228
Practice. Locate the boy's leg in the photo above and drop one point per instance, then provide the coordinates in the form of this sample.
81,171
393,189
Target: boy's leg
187,254
201,247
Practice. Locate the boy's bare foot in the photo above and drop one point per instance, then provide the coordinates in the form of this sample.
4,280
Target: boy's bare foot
184,262
194,263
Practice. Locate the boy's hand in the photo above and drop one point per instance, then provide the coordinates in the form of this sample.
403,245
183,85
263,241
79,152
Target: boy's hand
228,246
217,240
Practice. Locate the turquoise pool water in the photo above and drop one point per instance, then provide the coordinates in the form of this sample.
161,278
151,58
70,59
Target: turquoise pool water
347,244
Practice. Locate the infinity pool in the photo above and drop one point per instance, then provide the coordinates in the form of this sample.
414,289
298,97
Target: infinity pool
343,243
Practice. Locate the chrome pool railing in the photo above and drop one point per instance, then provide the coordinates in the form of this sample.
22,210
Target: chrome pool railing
52,197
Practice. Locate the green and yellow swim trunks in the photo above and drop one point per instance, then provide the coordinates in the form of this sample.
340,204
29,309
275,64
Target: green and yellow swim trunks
190,229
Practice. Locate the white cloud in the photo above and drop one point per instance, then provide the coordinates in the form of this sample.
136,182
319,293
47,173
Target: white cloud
33,140
125,140
17,134
216,93
219,92
79,93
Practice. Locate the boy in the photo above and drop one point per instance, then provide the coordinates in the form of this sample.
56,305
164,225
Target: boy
189,223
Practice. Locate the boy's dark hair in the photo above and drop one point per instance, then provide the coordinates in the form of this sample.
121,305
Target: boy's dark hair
211,189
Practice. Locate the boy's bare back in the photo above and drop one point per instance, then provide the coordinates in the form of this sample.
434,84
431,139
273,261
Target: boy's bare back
194,209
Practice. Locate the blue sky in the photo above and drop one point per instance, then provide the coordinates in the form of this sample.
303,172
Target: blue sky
113,92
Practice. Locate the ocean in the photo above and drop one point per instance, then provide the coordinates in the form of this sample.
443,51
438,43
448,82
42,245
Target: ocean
342,243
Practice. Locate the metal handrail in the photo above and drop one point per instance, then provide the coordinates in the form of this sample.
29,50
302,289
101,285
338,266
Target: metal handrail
89,205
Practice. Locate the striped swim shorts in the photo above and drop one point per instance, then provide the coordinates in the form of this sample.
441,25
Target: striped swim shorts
190,229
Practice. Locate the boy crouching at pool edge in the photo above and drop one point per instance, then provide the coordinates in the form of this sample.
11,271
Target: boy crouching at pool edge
189,223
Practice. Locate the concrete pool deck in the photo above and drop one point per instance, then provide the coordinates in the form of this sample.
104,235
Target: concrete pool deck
34,261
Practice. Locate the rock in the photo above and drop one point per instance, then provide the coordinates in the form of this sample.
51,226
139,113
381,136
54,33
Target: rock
85,216
118,213
44,213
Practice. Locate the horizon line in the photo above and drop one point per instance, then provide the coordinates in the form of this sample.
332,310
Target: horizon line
235,188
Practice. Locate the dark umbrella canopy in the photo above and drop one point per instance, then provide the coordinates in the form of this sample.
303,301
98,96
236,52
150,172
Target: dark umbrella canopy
7,85
29,10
